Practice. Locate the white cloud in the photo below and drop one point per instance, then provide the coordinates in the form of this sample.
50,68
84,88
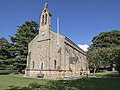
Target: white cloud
84,47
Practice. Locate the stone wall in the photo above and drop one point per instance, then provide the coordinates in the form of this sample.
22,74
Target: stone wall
55,49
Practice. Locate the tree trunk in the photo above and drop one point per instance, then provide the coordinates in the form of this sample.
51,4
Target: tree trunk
94,71
112,66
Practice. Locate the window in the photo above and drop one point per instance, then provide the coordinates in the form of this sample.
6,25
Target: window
33,64
55,64
41,66
45,18
42,19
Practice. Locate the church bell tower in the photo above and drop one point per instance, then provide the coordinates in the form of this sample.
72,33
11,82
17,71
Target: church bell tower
45,20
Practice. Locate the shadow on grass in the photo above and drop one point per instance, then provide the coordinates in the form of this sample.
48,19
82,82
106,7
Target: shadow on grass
55,85
80,84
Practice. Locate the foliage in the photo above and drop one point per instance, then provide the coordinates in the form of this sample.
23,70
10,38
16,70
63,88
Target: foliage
4,52
19,50
13,56
5,72
116,57
107,39
97,57
105,50
4,45
3,48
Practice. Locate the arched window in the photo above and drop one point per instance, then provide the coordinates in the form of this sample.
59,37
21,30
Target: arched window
41,66
45,18
55,64
42,19
33,64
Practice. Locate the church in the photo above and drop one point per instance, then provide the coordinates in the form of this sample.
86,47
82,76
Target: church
54,56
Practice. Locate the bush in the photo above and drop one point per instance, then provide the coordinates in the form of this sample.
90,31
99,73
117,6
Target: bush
48,86
5,72
118,67
2,67
10,67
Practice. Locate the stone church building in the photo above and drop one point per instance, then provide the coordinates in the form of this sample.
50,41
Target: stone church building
52,55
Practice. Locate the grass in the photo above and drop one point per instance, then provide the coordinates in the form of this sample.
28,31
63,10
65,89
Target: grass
108,73
81,84
9,80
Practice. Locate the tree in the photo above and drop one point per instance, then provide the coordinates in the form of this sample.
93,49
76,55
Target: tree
97,57
105,49
107,39
25,33
115,56
4,52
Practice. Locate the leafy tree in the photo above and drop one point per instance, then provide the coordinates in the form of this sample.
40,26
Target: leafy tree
115,56
107,39
97,57
105,50
19,50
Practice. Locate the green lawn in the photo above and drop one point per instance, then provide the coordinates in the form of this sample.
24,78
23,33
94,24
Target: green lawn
81,84
108,73
8,80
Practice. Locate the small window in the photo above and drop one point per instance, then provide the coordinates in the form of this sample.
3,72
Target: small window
33,64
55,64
45,18
41,66
42,19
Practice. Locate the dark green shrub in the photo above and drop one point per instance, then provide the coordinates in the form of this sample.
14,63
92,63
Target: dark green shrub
60,85
5,72
14,88
10,67
118,67
2,67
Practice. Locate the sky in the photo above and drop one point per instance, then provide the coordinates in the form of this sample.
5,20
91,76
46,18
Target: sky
80,20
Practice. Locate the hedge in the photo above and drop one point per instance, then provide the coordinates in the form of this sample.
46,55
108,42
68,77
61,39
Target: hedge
5,72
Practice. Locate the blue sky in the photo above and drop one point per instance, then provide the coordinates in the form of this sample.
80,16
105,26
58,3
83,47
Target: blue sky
80,20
